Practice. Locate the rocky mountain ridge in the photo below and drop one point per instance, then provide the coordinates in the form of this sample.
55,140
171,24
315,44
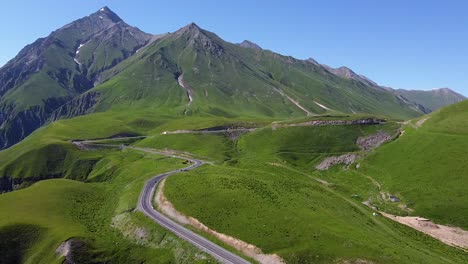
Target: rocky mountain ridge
64,75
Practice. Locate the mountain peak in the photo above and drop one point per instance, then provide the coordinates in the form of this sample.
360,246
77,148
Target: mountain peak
250,45
194,35
443,89
311,60
108,13
104,9
192,27
347,73
447,91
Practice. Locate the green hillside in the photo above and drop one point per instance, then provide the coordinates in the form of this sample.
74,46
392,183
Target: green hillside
263,185
428,166
97,214
231,81
99,78
268,193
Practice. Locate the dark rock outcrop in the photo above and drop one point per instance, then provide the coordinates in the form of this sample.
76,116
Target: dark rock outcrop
81,105
15,126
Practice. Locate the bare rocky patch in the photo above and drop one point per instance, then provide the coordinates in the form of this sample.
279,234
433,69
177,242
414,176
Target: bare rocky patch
365,121
346,159
249,250
71,250
130,230
373,141
65,250
365,143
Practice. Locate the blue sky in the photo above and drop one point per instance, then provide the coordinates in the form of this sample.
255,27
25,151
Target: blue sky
401,44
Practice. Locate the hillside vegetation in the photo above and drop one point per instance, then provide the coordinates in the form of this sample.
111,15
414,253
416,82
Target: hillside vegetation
263,188
263,183
268,193
97,215
428,166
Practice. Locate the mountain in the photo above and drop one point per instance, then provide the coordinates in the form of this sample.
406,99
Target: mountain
67,201
229,80
248,44
311,60
425,101
99,63
52,70
431,99
347,73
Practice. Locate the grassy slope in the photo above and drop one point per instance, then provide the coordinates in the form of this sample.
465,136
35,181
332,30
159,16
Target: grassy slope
114,182
309,222
231,81
56,210
223,86
428,167
308,83
51,212
32,157
285,210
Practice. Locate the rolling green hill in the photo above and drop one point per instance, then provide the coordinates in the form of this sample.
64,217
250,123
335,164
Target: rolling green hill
96,214
427,166
267,193
262,189
98,78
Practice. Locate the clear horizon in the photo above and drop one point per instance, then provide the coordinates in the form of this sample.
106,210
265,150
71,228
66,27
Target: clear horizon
420,45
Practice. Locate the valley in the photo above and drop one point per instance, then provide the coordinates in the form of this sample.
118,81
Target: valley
120,146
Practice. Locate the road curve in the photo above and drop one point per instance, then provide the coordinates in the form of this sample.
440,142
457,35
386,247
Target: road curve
145,205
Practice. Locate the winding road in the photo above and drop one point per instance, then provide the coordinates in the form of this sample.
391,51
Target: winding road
145,205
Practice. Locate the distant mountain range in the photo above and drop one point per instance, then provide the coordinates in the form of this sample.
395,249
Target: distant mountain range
100,63
429,100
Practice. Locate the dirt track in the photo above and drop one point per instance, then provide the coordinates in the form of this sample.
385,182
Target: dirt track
453,236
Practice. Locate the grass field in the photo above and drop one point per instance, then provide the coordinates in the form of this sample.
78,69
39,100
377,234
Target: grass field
428,166
263,188
98,211
47,152
269,196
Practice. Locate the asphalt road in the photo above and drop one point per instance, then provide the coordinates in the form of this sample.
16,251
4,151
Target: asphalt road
145,205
